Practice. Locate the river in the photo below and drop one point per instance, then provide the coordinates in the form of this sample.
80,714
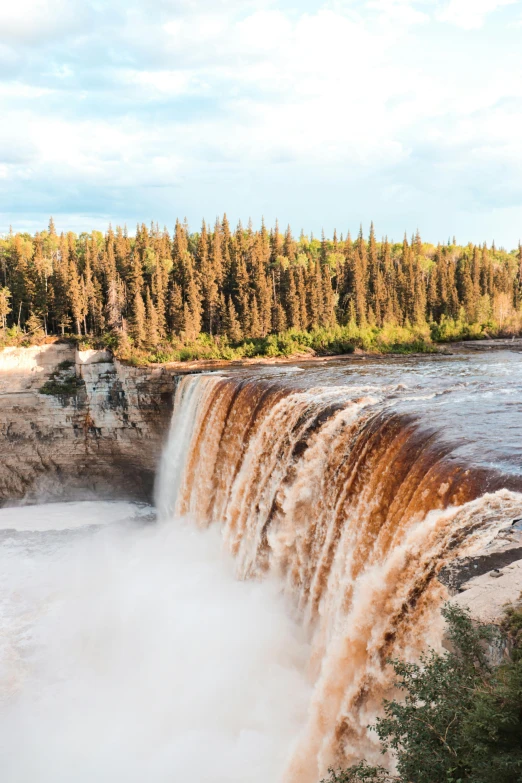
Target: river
303,514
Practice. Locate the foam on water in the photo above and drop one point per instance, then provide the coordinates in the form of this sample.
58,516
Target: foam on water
355,505
130,652
68,516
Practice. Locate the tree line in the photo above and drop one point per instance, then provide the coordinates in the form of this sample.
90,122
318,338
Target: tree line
245,283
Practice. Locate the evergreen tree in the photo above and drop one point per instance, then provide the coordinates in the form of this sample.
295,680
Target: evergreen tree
216,258
358,279
232,326
301,294
277,244
176,310
196,282
255,327
327,304
279,323
209,286
138,323
113,307
292,301
314,290
5,309
289,246
152,330
77,303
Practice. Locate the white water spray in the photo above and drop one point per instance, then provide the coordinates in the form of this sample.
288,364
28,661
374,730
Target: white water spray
130,653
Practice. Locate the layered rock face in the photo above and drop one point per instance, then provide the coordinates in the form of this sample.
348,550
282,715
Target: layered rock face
105,438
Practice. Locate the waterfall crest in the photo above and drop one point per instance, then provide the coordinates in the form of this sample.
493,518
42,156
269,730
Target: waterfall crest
356,508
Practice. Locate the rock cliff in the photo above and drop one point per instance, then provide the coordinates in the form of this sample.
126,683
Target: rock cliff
103,436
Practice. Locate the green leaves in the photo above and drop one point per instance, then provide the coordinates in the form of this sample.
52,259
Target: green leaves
459,719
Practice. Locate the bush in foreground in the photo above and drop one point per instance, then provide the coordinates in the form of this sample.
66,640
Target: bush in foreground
460,718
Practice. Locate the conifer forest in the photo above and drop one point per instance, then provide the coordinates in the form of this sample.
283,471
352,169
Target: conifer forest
226,292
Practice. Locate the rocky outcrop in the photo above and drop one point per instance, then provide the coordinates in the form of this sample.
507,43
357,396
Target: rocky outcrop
104,438
490,580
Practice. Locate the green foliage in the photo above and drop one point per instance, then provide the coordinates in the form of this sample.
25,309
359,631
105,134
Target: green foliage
5,309
63,382
322,341
456,329
361,772
512,627
225,294
460,717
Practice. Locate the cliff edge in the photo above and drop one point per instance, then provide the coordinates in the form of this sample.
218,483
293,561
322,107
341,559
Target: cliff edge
77,423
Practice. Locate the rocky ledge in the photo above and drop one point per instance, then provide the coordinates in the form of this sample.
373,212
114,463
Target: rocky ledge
74,424
491,580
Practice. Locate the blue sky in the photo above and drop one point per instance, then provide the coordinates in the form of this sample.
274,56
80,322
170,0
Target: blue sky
407,112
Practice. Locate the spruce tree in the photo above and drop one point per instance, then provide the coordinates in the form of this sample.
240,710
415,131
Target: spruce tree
277,245
152,330
292,301
327,308
113,307
138,323
279,323
209,287
76,303
5,309
255,327
314,290
261,286
176,319
358,276
232,326
216,256
289,246
301,294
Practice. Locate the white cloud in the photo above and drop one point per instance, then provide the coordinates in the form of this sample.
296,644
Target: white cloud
406,12
164,83
470,14
30,21
21,90
213,103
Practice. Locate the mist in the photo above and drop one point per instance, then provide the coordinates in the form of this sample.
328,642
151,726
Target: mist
130,652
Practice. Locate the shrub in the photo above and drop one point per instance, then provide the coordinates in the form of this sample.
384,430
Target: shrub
63,382
460,718
512,627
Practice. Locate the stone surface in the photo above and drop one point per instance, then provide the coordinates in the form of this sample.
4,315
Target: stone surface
492,579
503,550
105,440
486,597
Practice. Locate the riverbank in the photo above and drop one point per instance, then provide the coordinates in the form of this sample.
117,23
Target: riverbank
444,349
319,344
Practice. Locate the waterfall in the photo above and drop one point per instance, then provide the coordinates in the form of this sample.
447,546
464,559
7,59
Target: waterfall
355,507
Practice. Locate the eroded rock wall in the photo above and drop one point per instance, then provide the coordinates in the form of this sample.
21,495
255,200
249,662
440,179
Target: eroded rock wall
106,439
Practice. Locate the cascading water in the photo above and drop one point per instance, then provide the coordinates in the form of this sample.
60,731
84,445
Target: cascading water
356,508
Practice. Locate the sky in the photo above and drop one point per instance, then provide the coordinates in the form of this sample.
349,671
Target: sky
404,112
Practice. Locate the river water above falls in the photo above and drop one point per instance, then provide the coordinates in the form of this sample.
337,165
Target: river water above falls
335,492
473,400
